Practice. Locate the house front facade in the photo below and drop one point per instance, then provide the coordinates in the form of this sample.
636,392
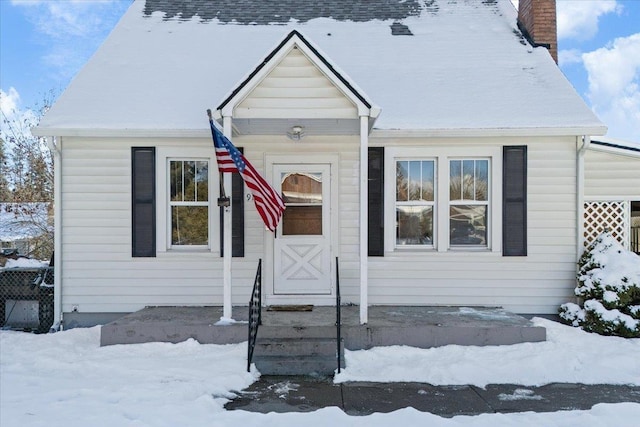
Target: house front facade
434,149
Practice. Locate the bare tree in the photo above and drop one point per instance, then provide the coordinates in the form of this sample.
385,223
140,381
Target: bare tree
26,185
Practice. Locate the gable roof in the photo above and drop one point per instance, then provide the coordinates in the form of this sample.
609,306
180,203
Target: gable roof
315,94
297,38
431,66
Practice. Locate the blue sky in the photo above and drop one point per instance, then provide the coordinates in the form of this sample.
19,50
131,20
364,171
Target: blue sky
43,44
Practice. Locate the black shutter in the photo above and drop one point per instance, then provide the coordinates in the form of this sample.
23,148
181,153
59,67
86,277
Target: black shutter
514,200
376,201
237,216
143,198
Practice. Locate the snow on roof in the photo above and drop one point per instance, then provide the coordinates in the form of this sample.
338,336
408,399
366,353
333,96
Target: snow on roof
443,64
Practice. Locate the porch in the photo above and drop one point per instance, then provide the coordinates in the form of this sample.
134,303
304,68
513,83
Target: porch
416,326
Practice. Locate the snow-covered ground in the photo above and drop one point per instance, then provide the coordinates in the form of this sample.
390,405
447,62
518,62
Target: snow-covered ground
66,379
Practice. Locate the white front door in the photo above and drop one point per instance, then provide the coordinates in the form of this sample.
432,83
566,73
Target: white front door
302,247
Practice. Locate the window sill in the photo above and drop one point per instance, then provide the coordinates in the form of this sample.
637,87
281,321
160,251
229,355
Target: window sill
434,252
187,253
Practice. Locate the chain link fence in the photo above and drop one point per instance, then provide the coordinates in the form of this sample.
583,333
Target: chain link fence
26,298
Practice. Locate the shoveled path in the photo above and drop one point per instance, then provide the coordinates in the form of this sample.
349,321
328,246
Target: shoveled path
304,394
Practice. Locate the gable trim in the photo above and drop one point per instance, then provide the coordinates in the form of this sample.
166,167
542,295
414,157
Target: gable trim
244,85
614,148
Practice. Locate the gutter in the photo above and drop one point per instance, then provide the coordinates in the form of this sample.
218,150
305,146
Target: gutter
586,142
56,149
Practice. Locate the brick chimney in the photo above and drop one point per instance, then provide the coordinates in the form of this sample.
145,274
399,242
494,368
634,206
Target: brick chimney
537,20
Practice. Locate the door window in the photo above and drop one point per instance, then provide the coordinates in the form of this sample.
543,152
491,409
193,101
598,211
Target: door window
302,194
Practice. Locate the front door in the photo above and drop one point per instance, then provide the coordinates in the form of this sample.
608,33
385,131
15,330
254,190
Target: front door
302,245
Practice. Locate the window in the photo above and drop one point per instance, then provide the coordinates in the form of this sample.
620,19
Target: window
443,198
189,202
303,198
468,202
415,197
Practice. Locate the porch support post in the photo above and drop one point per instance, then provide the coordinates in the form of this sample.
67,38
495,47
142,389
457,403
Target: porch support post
226,233
364,212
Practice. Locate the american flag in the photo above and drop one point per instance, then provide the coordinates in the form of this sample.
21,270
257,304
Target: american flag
268,202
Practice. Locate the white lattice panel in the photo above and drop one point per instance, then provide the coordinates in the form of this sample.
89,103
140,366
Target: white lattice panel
601,216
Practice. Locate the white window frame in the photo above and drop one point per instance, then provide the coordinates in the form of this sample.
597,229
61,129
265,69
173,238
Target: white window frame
442,155
164,155
457,202
433,204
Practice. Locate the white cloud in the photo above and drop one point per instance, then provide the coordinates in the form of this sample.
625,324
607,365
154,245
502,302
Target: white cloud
569,56
13,118
70,18
71,30
614,85
579,19
9,101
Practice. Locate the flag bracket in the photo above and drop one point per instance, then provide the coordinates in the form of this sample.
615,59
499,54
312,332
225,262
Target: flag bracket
224,202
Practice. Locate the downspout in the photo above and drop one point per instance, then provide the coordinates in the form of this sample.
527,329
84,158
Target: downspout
586,141
56,149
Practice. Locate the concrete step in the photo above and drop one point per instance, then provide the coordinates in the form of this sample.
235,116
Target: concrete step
297,331
297,356
300,365
296,347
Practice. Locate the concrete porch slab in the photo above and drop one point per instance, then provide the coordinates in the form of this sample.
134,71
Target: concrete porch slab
423,327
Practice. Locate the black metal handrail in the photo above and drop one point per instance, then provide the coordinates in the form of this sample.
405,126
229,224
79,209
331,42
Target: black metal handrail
338,320
255,314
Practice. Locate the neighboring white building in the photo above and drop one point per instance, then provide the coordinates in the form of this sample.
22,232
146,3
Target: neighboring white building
428,146
21,224
612,191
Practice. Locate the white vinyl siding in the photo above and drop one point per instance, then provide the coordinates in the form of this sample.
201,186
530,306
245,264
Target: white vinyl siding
609,176
99,274
537,283
295,88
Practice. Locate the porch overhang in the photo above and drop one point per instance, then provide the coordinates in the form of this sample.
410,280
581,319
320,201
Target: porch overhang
297,90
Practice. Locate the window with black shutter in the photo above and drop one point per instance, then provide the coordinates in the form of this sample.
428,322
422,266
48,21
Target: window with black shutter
143,194
514,201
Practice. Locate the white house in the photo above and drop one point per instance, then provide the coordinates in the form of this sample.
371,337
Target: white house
433,147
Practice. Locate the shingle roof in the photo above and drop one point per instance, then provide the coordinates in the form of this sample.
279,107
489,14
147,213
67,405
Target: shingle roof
261,12
430,64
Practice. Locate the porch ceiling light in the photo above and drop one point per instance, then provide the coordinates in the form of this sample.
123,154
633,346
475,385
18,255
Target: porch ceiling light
296,133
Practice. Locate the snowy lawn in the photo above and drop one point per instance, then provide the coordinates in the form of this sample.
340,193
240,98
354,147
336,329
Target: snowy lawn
569,355
67,379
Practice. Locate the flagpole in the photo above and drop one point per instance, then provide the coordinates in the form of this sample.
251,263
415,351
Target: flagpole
225,203
267,200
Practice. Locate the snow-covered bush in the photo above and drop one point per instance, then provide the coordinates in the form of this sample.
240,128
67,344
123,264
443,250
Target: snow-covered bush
608,290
